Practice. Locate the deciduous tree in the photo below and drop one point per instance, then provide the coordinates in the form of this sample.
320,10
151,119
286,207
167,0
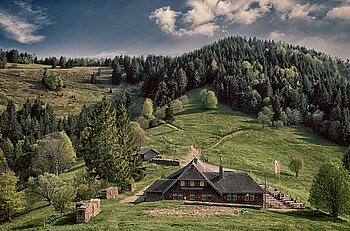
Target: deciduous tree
330,190
296,165
64,195
147,109
11,201
54,154
44,186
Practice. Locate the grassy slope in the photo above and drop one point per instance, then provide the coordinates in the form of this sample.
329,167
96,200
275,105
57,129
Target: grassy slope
253,150
24,82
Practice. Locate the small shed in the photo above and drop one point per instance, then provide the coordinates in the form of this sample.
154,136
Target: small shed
147,153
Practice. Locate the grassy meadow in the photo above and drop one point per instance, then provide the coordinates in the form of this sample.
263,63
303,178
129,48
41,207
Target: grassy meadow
24,82
243,144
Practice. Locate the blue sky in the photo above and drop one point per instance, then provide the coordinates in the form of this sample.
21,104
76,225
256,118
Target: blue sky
99,28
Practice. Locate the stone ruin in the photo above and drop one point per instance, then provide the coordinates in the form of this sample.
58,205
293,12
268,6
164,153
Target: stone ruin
109,193
86,210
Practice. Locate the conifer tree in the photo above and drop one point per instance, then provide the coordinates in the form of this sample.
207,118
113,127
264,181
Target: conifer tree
117,74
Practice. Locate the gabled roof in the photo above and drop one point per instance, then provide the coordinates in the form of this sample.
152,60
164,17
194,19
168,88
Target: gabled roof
191,172
232,182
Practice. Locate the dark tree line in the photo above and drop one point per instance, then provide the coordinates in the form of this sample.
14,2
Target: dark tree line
298,85
20,129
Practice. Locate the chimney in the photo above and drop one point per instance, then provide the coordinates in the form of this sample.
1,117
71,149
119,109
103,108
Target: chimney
221,171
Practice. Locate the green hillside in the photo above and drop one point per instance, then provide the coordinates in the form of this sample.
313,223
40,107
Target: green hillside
243,144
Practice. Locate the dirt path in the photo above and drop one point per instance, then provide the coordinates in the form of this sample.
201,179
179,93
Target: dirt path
192,153
228,135
135,198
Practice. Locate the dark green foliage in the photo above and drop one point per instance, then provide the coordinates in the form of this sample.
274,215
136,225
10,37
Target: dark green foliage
117,74
3,59
62,62
249,74
330,190
52,81
107,145
10,127
20,129
127,145
86,186
93,79
3,162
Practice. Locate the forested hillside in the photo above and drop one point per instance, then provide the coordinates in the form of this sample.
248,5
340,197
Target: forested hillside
294,84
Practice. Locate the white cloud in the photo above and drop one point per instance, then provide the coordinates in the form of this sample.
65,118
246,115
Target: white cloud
18,29
22,21
206,17
165,17
200,13
341,12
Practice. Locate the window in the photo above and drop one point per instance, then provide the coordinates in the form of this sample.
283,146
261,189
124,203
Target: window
182,183
246,197
229,197
191,197
175,196
187,183
252,197
234,197
201,183
204,197
196,183
179,196
191,183
208,197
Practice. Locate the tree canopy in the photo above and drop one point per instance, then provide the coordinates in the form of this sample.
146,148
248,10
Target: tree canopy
330,190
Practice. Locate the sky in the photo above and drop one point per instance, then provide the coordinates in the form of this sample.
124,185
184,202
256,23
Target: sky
105,28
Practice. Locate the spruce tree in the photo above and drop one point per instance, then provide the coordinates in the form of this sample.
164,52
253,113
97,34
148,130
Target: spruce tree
127,145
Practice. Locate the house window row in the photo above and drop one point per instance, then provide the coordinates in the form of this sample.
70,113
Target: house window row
192,183
191,196
241,197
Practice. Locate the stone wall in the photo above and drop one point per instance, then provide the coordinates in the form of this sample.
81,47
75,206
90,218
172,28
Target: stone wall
85,210
109,193
166,162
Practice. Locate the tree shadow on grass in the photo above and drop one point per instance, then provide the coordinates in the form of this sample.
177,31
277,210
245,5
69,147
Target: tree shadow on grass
312,215
313,137
68,219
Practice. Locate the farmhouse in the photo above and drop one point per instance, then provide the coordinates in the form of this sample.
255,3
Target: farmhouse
147,153
199,181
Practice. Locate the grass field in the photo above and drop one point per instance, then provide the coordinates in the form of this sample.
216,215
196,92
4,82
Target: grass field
244,145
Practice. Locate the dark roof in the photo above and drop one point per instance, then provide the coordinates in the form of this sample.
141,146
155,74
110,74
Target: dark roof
232,182
159,185
145,150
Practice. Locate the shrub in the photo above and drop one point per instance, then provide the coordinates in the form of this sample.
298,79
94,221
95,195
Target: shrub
52,81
